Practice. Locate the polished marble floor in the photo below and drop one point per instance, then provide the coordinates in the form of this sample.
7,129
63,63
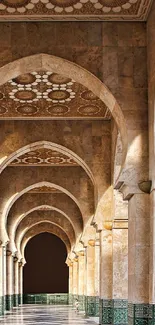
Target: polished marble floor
43,315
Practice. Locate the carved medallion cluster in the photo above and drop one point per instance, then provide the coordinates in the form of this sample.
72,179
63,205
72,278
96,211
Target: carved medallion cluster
121,9
51,95
43,157
44,189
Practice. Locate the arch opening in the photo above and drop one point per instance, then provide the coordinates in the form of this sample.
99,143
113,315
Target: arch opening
45,255
73,71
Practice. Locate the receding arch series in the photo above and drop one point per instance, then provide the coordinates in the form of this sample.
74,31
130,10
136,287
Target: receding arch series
44,227
18,195
62,223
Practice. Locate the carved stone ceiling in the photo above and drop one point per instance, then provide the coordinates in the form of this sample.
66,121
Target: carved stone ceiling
43,157
49,95
74,9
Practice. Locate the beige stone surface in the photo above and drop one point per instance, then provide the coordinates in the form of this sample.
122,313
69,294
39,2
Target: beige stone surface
90,270
61,174
138,260
106,277
81,273
120,263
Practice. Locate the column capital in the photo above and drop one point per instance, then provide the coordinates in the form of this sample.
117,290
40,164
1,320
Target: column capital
81,253
15,259
75,259
120,224
107,224
8,252
128,190
91,242
69,262
21,264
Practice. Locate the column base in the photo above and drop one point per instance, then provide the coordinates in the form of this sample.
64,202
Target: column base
113,311
70,299
120,312
81,299
2,306
141,314
106,311
4,303
9,302
20,299
74,297
91,306
15,300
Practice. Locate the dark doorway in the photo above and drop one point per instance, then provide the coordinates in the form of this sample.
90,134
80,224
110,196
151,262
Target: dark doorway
45,270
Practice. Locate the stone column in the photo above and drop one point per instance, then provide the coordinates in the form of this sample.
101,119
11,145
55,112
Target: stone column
90,299
1,280
75,279
97,274
9,276
152,249
151,97
70,265
16,281
81,279
139,311
120,271
20,296
4,275
106,303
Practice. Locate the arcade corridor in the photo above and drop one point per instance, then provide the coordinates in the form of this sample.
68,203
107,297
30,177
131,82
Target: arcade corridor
77,162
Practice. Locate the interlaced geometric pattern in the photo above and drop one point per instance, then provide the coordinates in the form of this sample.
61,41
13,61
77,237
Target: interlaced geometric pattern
43,157
49,95
79,9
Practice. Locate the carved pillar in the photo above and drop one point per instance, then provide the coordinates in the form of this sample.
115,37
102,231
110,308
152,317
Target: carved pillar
90,306
139,311
20,284
1,280
120,259
81,279
106,303
4,275
70,265
120,271
152,249
97,274
75,278
16,281
9,275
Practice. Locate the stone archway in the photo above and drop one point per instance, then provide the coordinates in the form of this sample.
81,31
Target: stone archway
73,71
